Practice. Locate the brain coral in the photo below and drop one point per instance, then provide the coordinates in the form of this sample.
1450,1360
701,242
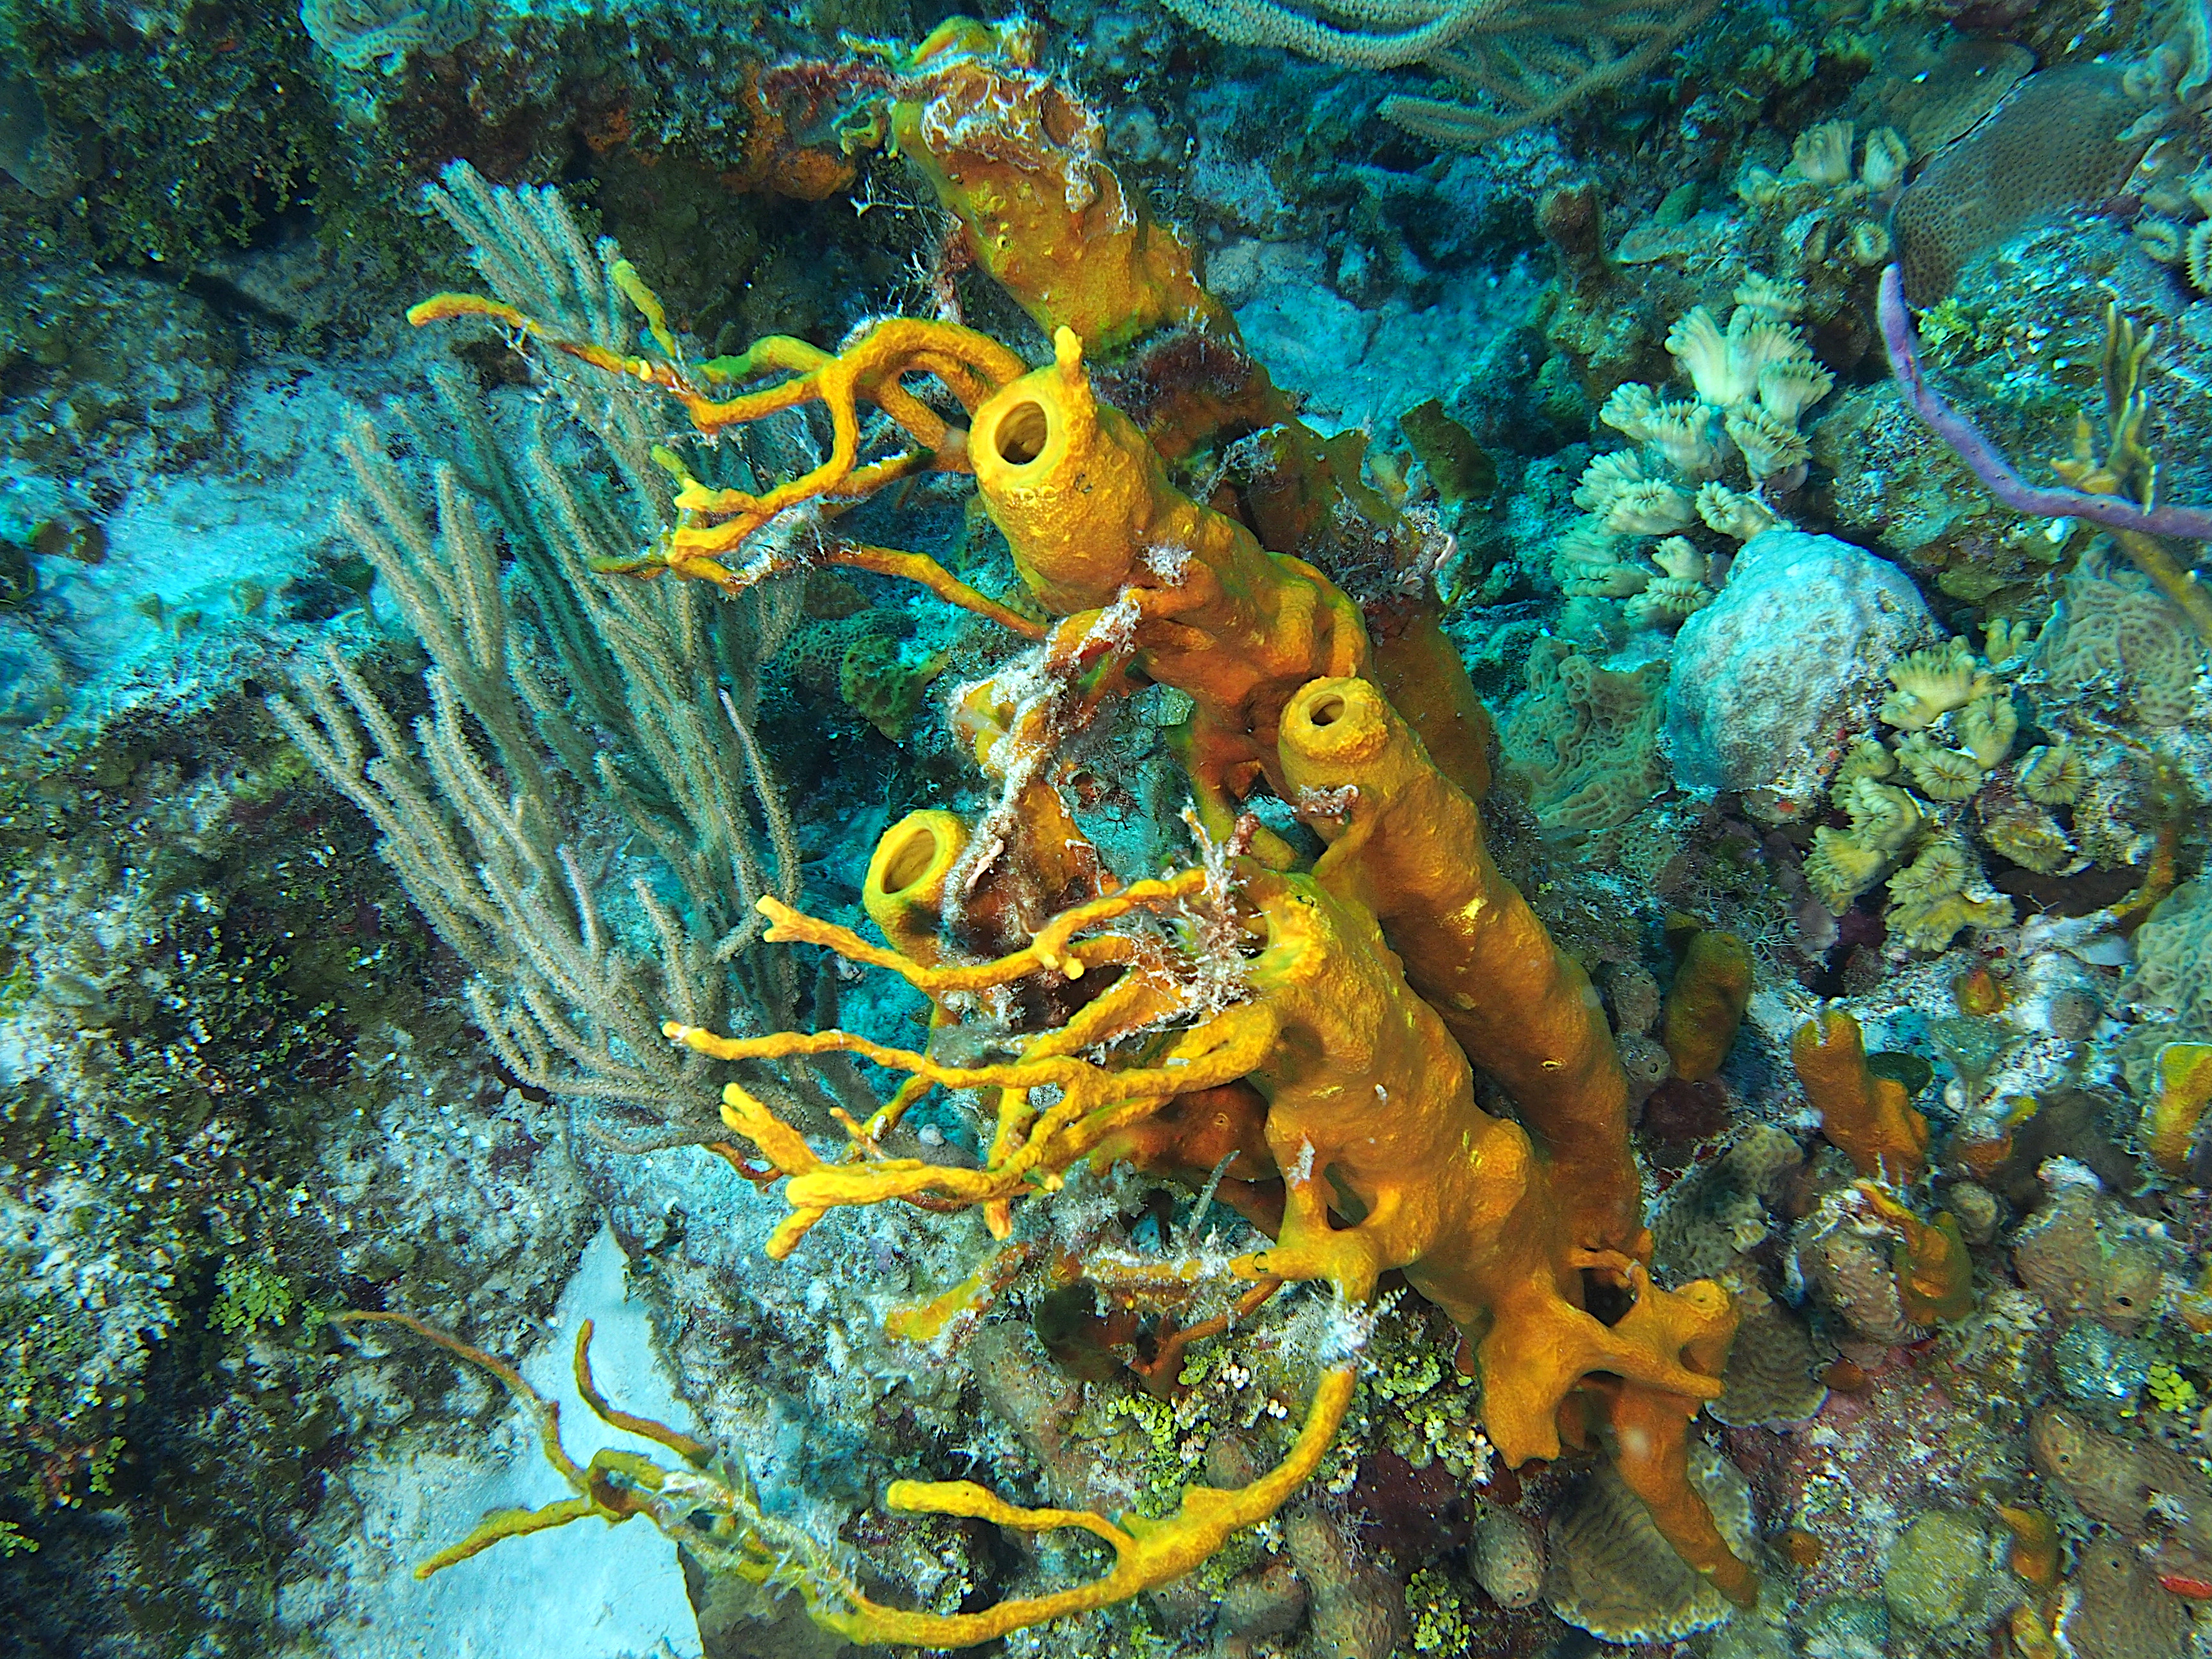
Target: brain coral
1583,745
2119,637
1777,677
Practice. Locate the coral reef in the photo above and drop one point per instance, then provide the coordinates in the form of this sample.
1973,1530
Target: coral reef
954,568
1749,385
1269,654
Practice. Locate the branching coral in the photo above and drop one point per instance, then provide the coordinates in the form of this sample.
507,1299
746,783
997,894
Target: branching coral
2118,490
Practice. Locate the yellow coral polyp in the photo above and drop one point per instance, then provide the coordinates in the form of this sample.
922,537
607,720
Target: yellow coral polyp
1931,925
1652,507
1938,773
1868,758
2052,775
1840,867
1929,685
1734,514
1883,817
1588,563
1092,521
1777,299
1769,445
1725,366
1683,434
1822,155
1987,726
1939,871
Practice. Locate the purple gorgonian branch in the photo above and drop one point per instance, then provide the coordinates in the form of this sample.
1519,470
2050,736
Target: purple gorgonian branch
1983,459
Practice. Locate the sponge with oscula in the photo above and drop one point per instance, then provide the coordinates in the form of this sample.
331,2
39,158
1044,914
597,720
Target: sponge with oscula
1409,844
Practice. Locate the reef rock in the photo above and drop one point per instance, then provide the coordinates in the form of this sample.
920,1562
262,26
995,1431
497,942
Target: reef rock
2080,1256
1938,1570
1777,677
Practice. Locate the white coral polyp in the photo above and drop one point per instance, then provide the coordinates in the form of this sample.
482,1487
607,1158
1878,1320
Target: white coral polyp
1697,343
1887,158
1604,479
1679,557
1788,388
1769,446
1686,435
1735,515
1628,409
1588,565
1823,155
1650,508
1725,366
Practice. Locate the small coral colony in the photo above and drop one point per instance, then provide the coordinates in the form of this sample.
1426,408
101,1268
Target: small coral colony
1345,999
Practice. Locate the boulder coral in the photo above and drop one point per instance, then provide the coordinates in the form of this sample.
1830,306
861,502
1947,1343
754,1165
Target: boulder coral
1774,680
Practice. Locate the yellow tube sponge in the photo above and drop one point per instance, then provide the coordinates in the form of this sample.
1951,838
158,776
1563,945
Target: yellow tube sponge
1094,523
2184,1089
1021,164
1935,1275
903,892
1409,845
1386,1161
1705,1004
1868,1116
